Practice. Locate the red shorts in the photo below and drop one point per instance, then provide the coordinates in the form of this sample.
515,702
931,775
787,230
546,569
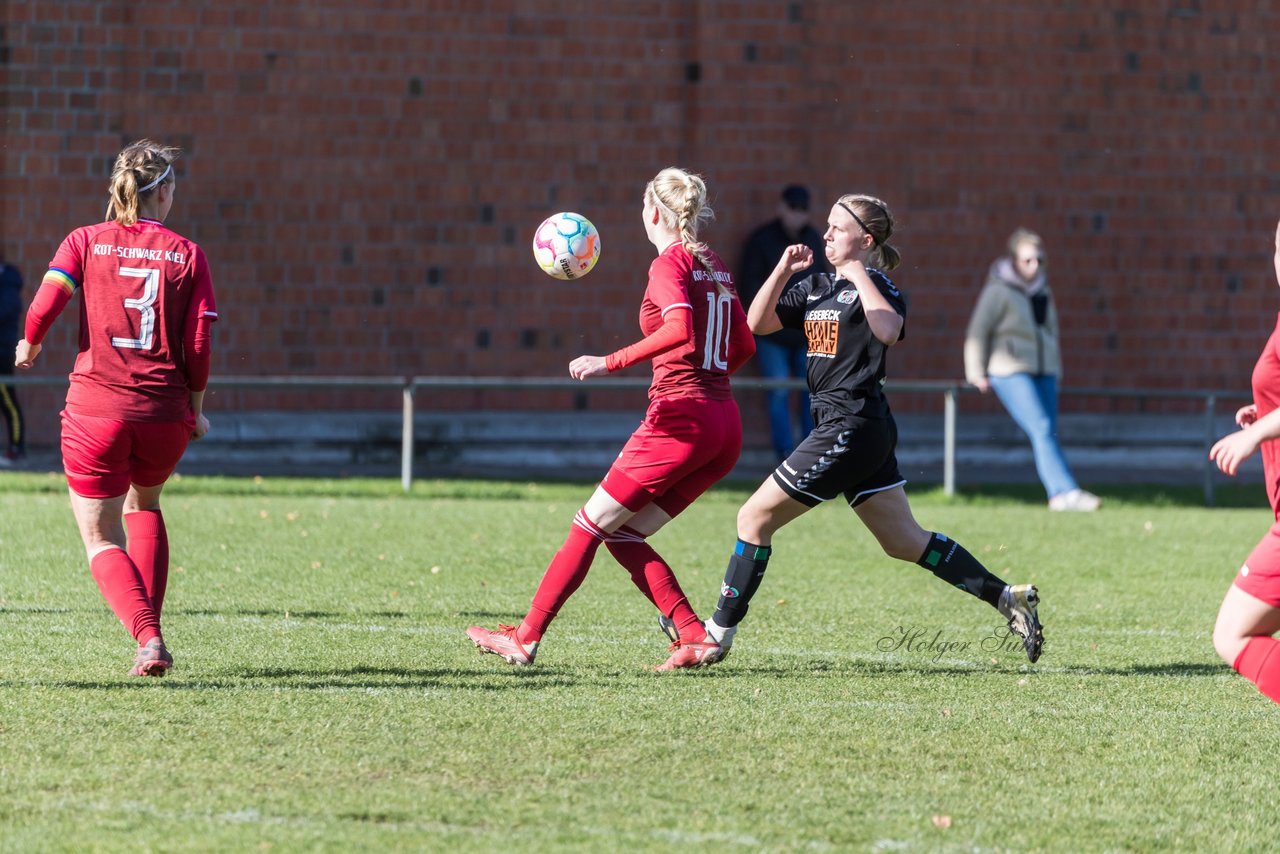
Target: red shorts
102,456
683,446
1260,575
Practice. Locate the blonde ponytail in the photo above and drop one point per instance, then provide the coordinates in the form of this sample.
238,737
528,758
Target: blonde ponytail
140,169
681,198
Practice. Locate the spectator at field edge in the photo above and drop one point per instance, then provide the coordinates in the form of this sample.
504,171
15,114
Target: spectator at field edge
851,318
137,390
782,354
1250,613
1011,347
696,336
10,314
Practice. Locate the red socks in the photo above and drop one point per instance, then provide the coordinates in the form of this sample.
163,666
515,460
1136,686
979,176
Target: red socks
123,588
564,576
1260,664
656,581
149,551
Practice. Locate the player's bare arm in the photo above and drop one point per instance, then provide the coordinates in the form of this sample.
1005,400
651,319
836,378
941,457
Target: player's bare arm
25,354
1233,449
762,316
1277,259
585,367
202,422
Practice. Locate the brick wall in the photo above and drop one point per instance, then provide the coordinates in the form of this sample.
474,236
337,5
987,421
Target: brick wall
366,177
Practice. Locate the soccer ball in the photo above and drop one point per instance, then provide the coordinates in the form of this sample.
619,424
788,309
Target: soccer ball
566,246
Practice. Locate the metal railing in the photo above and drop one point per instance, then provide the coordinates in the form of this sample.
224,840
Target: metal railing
949,389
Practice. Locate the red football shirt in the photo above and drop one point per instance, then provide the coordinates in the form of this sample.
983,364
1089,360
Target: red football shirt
700,368
1266,395
141,285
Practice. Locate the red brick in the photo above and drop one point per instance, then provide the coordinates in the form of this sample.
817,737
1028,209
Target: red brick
304,138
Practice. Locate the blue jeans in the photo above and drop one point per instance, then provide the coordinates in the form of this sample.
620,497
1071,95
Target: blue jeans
779,361
1033,403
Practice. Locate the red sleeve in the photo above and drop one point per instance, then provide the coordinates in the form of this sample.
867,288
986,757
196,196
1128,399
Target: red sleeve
742,344
676,330
203,303
50,300
197,333
196,347
61,280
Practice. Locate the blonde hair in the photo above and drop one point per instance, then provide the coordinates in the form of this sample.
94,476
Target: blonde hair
139,165
1026,235
874,217
680,198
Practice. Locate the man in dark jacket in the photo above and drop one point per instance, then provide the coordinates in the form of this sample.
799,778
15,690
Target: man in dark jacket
782,354
10,317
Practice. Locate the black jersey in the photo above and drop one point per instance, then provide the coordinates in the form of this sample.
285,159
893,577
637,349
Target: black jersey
846,363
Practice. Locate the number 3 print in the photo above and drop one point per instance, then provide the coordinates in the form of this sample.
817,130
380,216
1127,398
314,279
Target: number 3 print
147,322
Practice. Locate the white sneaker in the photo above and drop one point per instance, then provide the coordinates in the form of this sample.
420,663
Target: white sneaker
1075,500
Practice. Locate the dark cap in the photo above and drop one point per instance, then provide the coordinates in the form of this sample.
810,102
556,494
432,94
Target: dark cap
796,197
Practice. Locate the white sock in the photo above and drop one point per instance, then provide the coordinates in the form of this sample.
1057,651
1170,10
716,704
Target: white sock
722,635
1006,602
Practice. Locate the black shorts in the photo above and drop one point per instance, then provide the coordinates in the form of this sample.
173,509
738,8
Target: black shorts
850,456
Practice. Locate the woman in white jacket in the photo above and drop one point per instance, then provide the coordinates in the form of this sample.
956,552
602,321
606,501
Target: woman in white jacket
1011,348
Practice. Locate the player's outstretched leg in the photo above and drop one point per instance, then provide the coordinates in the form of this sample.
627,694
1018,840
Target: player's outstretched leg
742,579
1018,604
564,575
953,563
504,643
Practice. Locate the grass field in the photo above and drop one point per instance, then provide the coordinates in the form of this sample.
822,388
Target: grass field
325,697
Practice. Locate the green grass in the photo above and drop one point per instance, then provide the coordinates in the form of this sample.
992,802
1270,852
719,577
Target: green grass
325,697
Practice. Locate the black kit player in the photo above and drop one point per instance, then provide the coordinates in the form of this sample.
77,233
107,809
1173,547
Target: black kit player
850,320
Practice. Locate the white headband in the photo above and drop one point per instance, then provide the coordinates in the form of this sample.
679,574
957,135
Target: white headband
153,184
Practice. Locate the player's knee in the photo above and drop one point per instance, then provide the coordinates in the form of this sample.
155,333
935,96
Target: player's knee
903,543
1228,643
899,549
134,505
754,524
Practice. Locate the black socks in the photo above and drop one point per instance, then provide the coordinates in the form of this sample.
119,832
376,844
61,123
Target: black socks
949,560
741,580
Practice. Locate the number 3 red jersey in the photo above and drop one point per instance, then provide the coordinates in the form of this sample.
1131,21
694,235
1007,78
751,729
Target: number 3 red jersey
701,367
143,287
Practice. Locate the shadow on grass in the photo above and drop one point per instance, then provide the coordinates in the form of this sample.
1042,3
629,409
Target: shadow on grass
37,609
347,679
258,612
1179,669
487,615
1226,495
925,667
289,613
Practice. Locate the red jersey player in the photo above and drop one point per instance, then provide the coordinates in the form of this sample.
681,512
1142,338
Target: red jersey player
1250,613
696,334
137,390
